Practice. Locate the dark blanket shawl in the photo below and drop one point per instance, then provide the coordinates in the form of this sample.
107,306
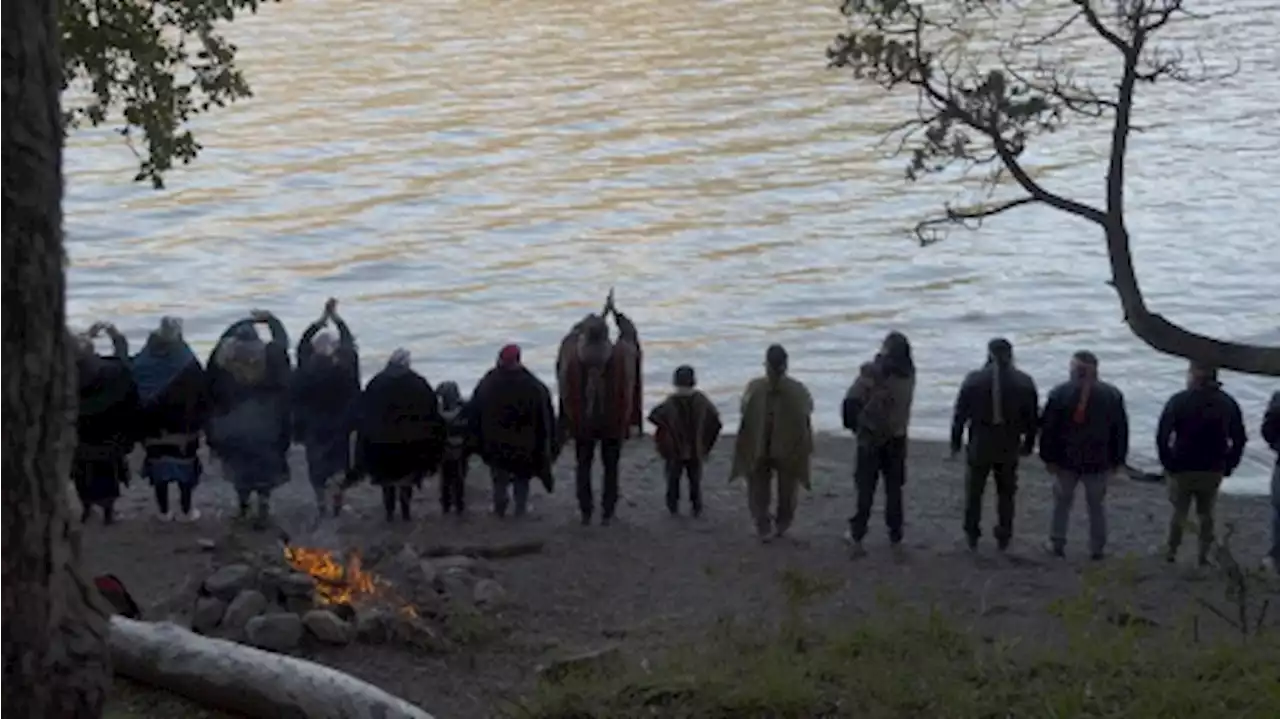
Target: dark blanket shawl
688,426
400,430
513,422
620,374
173,389
325,399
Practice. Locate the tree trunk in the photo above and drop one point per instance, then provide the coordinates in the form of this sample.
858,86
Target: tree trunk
225,675
1164,336
55,661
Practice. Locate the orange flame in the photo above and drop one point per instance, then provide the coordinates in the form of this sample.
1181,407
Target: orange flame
338,583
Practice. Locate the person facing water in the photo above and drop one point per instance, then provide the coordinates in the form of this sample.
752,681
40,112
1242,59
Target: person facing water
999,406
687,426
1084,440
455,463
775,439
1200,439
249,428
877,409
400,433
1271,435
174,393
513,422
325,393
598,383
108,423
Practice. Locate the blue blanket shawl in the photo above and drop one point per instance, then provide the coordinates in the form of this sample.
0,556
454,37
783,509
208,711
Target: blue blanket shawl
154,368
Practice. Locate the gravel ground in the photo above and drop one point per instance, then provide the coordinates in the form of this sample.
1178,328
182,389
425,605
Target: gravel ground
651,581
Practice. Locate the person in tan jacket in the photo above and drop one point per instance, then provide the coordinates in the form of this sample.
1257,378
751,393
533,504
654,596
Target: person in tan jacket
775,439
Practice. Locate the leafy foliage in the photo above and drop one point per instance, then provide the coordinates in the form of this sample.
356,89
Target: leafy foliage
158,63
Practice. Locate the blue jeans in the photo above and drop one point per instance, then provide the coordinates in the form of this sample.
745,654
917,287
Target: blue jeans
507,486
1064,493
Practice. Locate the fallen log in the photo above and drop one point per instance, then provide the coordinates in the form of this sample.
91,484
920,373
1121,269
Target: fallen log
504,550
233,677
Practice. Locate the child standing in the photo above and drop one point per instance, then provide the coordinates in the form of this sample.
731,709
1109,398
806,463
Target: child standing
687,427
457,451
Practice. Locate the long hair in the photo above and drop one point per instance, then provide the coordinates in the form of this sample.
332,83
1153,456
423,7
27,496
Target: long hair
895,356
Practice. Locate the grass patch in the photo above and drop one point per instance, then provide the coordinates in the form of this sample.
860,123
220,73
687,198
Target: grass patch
905,663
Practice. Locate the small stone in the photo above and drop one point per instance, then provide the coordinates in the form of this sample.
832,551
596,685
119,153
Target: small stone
327,627
297,584
207,614
488,593
247,605
415,632
206,545
604,660
372,627
227,582
276,632
457,561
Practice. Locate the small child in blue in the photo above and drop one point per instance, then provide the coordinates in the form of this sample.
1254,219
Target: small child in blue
457,450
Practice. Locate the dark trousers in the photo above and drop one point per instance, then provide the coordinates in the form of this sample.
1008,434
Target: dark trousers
676,469
453,485
887,459
1006,476
184,497
390,495
610,453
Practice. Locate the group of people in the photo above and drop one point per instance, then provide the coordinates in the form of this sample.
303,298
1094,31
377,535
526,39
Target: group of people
250,403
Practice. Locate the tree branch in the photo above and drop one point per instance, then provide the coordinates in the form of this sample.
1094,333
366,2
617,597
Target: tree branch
953,216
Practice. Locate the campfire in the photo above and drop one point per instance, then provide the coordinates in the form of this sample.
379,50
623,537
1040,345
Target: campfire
344,583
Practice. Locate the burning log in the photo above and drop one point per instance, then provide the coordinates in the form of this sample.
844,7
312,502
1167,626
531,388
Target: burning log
233,677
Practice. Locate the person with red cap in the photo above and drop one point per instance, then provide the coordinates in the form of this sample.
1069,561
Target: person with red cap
512,423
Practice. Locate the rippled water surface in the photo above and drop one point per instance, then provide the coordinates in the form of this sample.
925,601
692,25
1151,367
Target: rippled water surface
462,174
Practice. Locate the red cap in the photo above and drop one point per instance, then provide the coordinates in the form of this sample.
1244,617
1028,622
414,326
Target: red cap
509,356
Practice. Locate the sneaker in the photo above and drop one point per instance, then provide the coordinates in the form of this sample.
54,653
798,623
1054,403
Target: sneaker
1055,549
972,543
1170,555
189,517
856,550
164,516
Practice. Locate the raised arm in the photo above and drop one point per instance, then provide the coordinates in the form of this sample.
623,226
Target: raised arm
119,343
304,344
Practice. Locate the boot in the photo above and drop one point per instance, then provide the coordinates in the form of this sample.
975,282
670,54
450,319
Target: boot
406,495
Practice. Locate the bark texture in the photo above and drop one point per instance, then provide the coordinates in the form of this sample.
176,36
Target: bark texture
55,660
225,675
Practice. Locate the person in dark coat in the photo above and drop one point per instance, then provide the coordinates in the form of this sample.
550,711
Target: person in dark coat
1271,434
175,407
1084,440
687,426
326,393
598,381
456,462
1200,439
999,406
250,426
513,423
400,433
108,424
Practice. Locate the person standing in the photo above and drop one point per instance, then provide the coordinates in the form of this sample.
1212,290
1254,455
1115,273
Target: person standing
877,409
999,406
108,424
512,421
775,439
1271,433
687,427
1084,440
455,464
1200,439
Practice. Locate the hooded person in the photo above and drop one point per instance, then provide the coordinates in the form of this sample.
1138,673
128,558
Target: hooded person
400,433
687,426
326,392
455,464
108,423
599,405
999,407
512,421
775,440
175,406
250,428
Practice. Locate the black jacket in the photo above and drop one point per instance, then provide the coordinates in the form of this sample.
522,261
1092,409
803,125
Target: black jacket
513,421
1098,443
1201,430
1271,426
975,409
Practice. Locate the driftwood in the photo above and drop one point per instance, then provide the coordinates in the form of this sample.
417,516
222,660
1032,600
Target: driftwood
233,677
504,550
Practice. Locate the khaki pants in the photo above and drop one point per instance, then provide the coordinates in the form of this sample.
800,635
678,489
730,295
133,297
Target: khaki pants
759,498
1202,489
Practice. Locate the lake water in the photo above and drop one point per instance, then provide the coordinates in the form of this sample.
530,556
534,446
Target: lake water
464,174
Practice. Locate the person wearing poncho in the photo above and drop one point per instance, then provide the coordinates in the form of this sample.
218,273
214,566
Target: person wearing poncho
775,441
107,425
